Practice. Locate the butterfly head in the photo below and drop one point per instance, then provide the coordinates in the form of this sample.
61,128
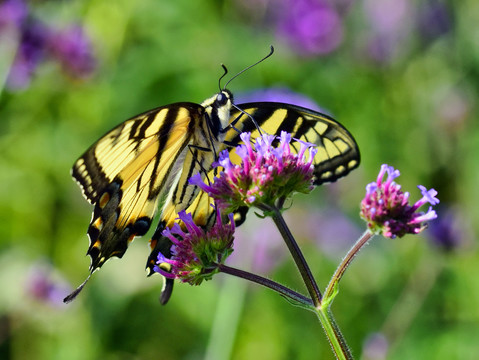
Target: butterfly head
218,108
223,98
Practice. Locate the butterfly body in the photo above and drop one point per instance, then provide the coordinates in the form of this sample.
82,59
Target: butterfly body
144,164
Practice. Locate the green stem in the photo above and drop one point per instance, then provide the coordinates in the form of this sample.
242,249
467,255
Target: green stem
289,294
336,339
332,288
295,251
321,305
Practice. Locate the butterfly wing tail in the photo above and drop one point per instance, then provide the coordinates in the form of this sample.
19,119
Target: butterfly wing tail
160,244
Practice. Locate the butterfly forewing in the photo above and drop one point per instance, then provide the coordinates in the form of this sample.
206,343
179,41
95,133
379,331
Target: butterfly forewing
127,170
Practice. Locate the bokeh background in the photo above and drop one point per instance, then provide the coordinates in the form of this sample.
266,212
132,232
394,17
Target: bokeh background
401,75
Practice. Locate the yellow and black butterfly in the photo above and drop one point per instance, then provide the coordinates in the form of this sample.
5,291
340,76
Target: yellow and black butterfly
145,162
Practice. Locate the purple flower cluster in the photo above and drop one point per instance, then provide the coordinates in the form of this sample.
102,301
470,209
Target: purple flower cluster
37,41
386,207
196,253
266,173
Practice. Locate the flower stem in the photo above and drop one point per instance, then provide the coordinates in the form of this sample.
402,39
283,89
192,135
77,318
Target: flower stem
332,288
289,294
336,340
298,257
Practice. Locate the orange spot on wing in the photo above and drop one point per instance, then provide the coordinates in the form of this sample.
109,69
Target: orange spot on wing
104,200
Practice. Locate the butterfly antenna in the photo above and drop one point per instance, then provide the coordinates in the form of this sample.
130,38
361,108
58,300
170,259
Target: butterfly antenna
75,293
249,67
222,76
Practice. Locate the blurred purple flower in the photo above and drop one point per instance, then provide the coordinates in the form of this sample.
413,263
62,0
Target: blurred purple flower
258,244
389,28
387,16
72,48
382,48
434,19
12,13
448,231
278,94
312,27
38,41
30,53
375,347
453,110
46,286
331,230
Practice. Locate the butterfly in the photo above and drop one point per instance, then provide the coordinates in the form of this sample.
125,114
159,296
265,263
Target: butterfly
144,164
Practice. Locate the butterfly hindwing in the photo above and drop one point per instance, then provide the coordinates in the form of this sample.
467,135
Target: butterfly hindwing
338,152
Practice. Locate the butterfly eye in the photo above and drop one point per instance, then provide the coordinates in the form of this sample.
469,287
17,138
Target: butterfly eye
221,99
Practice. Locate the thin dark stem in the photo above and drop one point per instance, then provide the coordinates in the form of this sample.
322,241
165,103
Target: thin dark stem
332,286
298,257
282,290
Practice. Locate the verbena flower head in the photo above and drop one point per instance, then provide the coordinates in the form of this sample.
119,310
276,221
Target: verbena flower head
266,173
196,253
386,208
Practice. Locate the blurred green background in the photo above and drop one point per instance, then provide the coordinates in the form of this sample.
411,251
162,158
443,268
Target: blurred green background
401,75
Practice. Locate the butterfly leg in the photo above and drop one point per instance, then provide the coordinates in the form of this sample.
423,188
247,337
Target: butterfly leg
233,123
160,243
